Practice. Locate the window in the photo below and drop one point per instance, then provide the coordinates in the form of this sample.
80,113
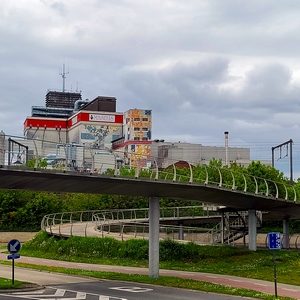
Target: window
136,119
145,129
136,138
136,129
144,139
145,119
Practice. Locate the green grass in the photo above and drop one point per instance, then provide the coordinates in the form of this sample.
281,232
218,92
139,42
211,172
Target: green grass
173,256
162,281
6,284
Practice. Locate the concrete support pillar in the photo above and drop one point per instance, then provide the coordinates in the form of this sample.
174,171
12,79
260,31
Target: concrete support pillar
252,229
153,237
181,233
222,228
286,234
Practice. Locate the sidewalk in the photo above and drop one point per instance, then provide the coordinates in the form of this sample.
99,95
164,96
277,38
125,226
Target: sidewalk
238,282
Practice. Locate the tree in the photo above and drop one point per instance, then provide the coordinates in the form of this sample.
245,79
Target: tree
42,163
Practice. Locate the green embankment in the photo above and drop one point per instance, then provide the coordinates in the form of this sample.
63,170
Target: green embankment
189,257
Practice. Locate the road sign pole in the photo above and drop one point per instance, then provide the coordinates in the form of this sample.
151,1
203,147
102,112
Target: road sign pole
13,271
274,243
13,247
275,279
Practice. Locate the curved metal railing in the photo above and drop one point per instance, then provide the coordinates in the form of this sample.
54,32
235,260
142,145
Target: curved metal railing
133,223
207,175
99,219
129,223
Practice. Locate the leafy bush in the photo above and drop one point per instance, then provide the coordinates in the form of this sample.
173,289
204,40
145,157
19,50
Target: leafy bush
72,248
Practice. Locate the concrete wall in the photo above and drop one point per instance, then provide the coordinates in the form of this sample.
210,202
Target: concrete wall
6,236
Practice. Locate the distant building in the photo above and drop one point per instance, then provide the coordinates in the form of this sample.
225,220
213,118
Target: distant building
67,119
135,145
165,154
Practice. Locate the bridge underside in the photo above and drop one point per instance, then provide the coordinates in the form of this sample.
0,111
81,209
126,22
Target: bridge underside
78,183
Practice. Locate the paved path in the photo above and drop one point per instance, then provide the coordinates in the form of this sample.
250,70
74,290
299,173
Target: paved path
238,282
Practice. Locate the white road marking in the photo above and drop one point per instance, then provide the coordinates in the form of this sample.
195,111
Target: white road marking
59,292
132,289
39,292
261,284
290,290
235,280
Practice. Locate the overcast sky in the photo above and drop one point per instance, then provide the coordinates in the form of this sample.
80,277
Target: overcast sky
202,66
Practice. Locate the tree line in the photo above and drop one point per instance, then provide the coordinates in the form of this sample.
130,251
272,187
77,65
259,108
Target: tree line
24,210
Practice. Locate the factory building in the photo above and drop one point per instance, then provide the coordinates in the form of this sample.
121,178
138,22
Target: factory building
67,119
94,128
169,153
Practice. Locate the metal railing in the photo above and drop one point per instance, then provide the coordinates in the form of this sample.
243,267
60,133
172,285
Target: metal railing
85,160
113,223
127,223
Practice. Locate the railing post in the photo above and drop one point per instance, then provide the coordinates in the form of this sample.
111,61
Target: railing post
233,180
267,187
191,173
256,185
174,176
245,183
156,170
206,176
220,174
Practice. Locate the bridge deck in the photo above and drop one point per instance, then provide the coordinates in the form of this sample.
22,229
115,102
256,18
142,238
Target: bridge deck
78,183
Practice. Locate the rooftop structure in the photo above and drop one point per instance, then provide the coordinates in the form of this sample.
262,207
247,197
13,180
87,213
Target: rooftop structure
62,99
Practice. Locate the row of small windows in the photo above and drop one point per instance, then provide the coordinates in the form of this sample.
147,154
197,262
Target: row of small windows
138,119
136,138
138,129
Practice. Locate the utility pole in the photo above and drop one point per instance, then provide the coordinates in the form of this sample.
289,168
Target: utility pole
291,156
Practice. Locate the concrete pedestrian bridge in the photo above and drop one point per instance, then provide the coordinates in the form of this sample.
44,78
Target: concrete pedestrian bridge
212,185
276,200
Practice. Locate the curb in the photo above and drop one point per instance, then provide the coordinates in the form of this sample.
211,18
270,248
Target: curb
31,287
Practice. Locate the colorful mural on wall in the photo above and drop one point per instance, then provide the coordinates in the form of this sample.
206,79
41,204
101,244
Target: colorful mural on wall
140,155
138,124
100,136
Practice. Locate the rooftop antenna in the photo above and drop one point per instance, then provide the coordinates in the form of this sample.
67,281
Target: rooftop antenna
63,74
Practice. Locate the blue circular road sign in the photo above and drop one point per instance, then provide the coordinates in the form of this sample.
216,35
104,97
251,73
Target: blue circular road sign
13,246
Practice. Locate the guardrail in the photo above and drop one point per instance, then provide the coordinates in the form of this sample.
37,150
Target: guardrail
113,223
99,217
128,223
81,159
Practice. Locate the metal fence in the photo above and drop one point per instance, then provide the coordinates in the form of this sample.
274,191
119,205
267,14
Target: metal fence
133,223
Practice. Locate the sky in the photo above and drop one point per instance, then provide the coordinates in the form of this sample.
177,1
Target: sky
202,67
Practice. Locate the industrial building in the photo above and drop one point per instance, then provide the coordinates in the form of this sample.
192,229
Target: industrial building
67,119
87,130
168,153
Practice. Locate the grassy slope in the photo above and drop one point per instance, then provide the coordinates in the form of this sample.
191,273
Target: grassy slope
221,260
210,259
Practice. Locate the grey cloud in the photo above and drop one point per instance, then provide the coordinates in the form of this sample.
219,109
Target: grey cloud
173,57
58,6
270,87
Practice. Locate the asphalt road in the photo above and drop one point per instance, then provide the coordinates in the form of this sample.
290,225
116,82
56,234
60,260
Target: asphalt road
59,286
45,279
